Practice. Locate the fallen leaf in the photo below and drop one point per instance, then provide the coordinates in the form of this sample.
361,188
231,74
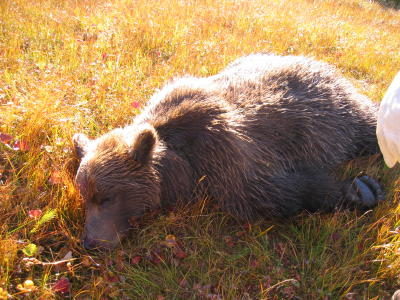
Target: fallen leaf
135,104
254,263
240,233
67,256
136,260
170,241
111,277
155,257
183,283
46,217
21,146
229,241
27,286
179,253
35,213
335,236
30,250
247,226
5,138
62,285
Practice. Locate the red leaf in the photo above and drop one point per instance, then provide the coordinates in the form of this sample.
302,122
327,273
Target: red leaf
254,263
135,104
20,146
335,236
179,253
136,260
111,278
240,234
155,257
35,213
62,285
229,241
5,138
183,283
247,226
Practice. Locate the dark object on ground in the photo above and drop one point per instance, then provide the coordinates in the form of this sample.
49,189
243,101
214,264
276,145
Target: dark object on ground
261,139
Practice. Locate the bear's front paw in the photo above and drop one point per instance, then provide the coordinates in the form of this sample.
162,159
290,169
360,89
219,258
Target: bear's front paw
364,192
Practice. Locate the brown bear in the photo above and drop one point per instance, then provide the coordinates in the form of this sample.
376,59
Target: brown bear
261,139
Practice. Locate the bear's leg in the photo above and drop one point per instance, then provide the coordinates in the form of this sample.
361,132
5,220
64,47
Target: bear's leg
319,191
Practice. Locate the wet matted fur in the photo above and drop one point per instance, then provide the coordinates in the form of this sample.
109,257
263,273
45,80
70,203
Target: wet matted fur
260,139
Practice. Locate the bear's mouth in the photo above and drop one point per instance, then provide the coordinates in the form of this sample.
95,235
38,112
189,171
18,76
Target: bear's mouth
100,244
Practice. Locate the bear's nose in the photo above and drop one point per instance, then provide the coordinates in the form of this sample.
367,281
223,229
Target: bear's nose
89,244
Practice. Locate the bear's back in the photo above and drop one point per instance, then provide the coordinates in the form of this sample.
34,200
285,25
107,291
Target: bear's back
298,109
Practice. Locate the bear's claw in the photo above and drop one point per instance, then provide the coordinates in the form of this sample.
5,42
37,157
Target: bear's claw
365,192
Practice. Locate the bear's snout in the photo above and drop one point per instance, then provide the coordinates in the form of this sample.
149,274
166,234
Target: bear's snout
89,244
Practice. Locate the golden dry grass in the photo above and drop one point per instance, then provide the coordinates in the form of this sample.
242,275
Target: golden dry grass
68,66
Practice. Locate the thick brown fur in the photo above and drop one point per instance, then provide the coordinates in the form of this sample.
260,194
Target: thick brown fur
260,139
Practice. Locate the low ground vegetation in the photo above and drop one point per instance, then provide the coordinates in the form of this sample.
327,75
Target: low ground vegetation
89,66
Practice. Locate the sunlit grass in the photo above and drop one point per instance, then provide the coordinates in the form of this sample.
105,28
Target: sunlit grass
77,66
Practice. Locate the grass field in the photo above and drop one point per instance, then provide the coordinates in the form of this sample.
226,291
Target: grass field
87,66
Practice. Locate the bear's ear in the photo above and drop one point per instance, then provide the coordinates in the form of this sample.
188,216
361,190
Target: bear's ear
143,145
81,143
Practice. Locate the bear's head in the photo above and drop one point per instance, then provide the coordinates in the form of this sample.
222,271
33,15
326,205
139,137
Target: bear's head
117,181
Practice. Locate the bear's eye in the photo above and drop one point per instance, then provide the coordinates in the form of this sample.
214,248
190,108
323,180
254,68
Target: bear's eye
105,200
100,198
